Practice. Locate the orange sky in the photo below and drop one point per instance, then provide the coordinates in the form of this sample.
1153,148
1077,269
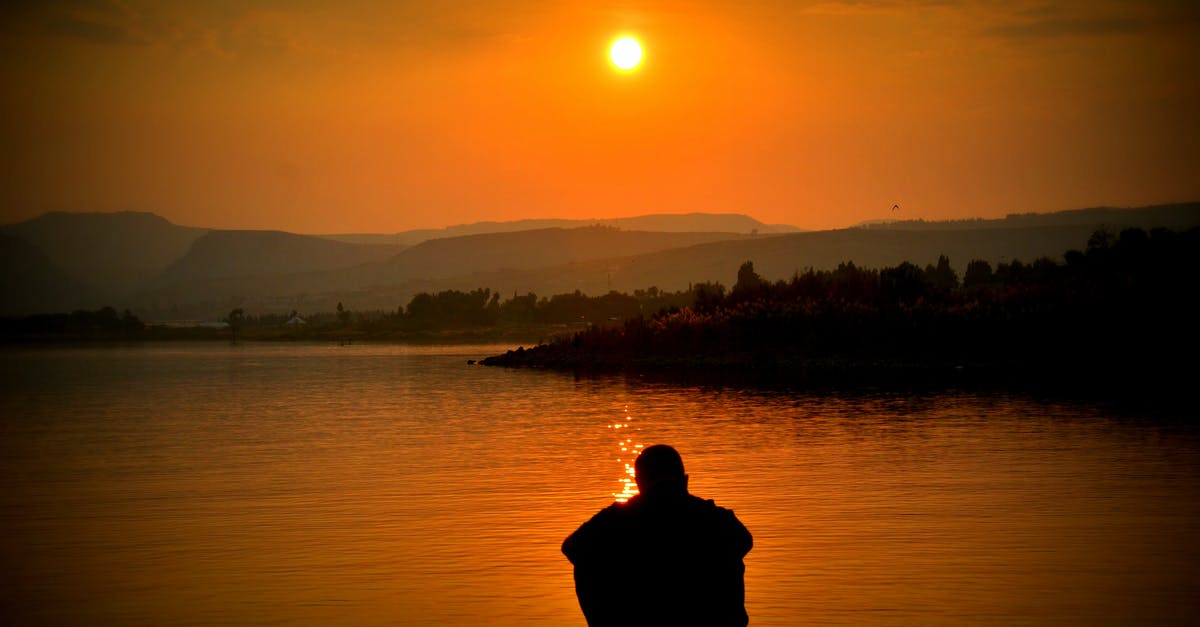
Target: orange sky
380,116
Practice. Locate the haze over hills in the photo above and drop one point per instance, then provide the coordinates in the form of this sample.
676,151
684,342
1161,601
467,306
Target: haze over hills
669,222
117,258
28,276
107,254
163,271
1174,216
234,254
455,256
524,262
367,285
781,256
778,257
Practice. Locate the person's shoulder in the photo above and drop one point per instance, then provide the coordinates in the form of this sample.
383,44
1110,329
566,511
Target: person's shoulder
709,505
613,511
601,525
711,511
723,521
616,507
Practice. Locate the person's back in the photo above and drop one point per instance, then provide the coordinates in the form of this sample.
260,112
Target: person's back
664,558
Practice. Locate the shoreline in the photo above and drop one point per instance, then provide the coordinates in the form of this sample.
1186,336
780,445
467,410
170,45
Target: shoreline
1140,380
161,334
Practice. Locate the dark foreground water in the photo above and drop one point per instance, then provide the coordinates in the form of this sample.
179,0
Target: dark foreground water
363,485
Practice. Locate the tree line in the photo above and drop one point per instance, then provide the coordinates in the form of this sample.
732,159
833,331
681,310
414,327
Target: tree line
103,323
483,308
1124,302
1126,295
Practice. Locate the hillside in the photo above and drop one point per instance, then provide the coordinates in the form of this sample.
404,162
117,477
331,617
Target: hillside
237,254
31,283
597,260
1024,237
387,284
114,253
664,222
271,271
449,257
1173,216
1117,313
779,256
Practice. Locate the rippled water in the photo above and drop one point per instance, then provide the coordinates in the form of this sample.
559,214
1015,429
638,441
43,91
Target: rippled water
367,485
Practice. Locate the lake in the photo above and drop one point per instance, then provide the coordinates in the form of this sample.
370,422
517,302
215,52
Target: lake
284,484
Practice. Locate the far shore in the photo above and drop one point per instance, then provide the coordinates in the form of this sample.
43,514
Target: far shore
527,335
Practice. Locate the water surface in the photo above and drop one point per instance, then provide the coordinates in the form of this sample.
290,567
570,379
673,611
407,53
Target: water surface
210,484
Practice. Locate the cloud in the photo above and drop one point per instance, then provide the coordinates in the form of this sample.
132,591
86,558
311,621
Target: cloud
854,7
1067,27
94,31
1046,21
1032,19
93,22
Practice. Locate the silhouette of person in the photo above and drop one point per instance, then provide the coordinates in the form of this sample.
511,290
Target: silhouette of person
665,557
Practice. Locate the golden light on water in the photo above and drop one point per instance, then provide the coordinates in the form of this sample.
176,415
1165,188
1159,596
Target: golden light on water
628,486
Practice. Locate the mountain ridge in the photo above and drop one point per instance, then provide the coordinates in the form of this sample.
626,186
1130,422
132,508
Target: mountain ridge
270,271
113,253
665,222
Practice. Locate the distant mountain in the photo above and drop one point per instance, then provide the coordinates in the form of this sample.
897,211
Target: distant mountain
779,256
710,222
244,254
178,272
273,286
398,240
31,283
114,253
454,256
1025,237
775,257
1175,216
665,222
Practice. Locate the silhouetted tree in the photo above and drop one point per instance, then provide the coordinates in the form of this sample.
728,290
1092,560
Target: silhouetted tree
902,283
1100,240
452,308
942,277
519,309
707,296
130,323
1011,273
235,319
979,273
849,282
748,282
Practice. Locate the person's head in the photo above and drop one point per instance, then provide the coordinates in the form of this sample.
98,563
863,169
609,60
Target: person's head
659,470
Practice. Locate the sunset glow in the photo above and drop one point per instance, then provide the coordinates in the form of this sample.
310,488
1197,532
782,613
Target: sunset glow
381,116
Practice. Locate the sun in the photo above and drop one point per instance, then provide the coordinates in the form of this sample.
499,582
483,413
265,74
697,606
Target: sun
626,53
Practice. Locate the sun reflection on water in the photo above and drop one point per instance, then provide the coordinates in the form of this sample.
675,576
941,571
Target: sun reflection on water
629,450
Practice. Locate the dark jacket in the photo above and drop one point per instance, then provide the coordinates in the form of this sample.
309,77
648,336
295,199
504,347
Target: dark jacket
670,560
